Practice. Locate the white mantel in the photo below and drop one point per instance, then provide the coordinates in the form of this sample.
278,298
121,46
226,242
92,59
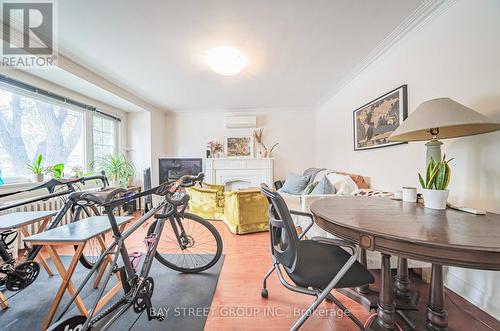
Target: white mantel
239,172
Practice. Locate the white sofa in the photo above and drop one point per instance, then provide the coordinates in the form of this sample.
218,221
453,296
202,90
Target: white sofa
303,202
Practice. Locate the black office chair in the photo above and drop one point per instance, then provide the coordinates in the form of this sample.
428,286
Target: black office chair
316,266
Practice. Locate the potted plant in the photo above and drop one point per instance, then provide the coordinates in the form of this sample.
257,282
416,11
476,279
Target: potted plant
436,182
57,170
36,169
118,169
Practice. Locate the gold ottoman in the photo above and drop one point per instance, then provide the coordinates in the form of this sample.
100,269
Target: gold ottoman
246,211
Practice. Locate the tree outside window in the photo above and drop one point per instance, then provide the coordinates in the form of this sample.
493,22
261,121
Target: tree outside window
29,127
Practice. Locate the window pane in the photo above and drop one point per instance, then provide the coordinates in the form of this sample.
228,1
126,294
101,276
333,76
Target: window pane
104,137
107,139
97,138
107,125
29,127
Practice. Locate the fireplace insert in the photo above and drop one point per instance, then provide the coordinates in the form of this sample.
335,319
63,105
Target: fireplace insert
174,168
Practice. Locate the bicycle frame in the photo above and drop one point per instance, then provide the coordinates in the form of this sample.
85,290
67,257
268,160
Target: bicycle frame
118,248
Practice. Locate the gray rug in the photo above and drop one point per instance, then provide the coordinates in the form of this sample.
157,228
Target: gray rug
183,297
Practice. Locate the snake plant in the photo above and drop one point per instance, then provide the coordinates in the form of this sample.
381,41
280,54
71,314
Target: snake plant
438,175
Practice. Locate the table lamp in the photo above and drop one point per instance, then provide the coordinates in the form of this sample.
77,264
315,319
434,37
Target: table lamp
441,118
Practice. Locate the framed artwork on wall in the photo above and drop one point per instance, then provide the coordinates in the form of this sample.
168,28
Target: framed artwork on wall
375,121
238,146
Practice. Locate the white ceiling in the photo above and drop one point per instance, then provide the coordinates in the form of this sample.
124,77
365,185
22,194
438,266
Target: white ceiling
297,50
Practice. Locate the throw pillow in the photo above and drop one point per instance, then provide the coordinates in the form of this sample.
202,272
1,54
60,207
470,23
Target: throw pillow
295,184
309,188
344,185
323,187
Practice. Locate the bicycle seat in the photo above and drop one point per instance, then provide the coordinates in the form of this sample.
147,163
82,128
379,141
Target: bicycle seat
102,197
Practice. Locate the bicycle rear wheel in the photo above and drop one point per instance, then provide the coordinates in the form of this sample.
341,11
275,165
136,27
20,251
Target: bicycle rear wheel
197,247
92,249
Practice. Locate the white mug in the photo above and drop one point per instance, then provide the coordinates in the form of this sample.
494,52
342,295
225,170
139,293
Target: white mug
409,194
398,195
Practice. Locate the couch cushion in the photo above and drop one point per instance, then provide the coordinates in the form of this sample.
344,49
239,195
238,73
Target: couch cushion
344,185
295,184
323,187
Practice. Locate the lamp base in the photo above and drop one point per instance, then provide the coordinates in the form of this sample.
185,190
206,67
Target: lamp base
433,150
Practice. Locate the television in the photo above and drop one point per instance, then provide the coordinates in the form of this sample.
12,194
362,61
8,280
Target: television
174,168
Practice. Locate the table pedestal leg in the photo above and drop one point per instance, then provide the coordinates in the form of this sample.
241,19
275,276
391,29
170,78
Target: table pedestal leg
386,313
437,317
406,298
363,295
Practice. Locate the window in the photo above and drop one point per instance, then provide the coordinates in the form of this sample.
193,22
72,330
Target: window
34,121
29,127
104,137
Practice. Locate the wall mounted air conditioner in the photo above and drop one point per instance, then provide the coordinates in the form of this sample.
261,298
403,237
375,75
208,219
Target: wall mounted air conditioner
234,122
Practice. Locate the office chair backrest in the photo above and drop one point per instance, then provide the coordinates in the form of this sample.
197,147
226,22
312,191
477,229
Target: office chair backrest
284,238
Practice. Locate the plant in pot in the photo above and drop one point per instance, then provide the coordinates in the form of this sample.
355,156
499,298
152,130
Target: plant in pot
56,171
118,169
37,169
437,178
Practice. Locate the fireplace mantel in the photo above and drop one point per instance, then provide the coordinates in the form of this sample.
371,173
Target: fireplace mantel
239,172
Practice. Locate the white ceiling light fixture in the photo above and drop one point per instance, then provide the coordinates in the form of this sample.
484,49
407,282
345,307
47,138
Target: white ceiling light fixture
226,61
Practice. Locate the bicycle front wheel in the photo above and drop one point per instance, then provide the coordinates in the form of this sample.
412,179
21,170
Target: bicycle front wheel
93,248
191,244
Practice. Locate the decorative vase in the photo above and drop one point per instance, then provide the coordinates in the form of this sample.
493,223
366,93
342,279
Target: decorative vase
436,199
36,178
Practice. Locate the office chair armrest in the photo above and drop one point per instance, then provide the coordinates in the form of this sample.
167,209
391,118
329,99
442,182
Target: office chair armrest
304,214
337,242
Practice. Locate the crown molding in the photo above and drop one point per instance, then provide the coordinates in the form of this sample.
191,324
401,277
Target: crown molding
416,21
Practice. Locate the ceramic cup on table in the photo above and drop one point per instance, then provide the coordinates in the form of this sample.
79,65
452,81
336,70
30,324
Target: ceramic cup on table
409,194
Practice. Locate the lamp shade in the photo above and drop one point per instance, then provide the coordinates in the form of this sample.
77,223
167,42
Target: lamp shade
450,117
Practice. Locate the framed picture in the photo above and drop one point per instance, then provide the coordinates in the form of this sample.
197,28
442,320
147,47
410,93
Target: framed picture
375,121
238,146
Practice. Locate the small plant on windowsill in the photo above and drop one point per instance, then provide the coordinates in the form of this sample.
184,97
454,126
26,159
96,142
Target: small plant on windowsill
56,171
436,182
118,169
37,169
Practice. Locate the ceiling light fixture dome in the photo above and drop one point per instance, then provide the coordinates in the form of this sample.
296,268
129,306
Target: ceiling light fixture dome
226,61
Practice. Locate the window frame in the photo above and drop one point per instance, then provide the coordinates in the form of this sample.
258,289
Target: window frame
87,131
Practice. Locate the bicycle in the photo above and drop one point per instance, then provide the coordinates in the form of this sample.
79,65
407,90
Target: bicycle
137,286
18,276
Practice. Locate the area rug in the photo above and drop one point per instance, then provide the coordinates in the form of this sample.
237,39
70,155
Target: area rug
185,298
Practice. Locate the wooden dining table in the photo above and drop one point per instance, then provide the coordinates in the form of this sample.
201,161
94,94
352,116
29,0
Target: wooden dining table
410,231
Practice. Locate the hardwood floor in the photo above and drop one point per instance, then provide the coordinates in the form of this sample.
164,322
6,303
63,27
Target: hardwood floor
237,304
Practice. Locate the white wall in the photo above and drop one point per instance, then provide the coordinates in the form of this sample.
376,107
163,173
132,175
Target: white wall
455,55
139,141
189,133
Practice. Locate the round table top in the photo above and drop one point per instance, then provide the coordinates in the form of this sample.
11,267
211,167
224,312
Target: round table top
396,226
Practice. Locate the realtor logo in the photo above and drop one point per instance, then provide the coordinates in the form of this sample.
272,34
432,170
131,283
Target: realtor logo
28,33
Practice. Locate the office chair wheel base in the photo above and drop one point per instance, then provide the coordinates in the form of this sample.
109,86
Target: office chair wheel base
264,293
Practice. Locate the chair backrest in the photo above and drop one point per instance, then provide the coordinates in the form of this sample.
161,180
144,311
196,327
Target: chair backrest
284,238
